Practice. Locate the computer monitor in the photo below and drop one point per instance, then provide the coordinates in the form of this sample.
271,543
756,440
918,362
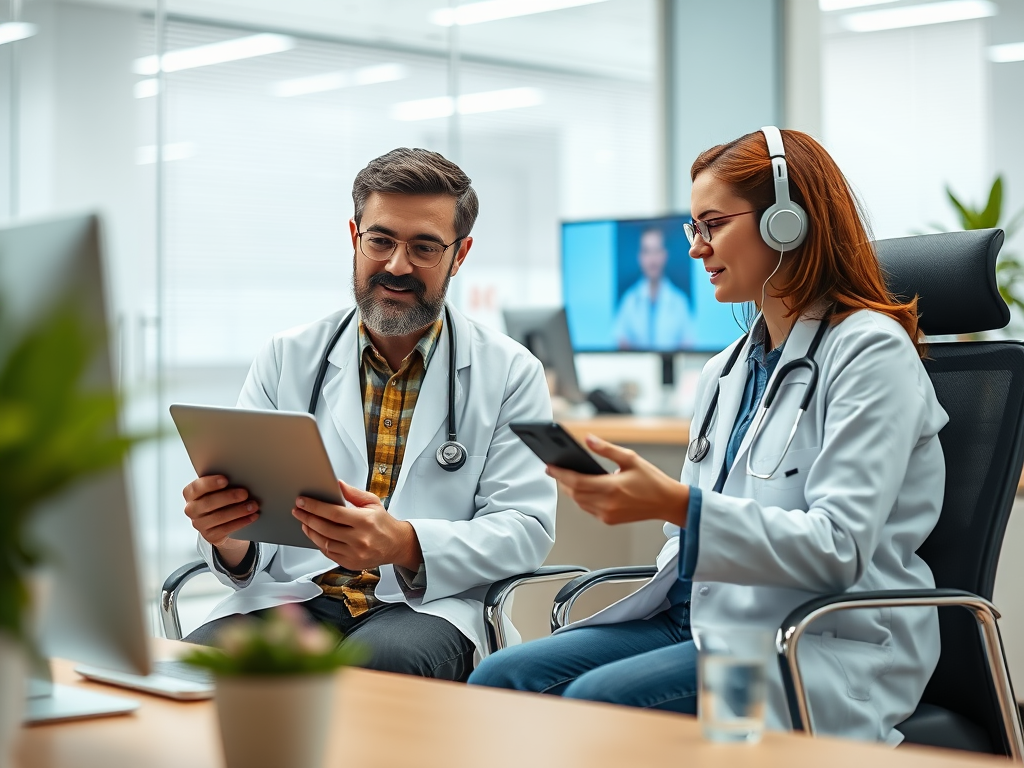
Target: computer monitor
92,601
630,285
546,334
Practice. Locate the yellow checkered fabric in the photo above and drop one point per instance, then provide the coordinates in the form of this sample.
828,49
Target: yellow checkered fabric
389,399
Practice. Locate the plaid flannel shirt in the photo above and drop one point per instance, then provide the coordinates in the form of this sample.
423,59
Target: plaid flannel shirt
389,399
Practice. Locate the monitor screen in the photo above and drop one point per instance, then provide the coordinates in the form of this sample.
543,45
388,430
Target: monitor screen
92,609
630,285
545,333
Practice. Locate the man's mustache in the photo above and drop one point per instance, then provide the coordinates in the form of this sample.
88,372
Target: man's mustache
399,283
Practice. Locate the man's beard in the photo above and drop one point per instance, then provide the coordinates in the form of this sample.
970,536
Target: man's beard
387,317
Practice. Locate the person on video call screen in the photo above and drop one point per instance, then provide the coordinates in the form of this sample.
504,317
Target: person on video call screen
654,313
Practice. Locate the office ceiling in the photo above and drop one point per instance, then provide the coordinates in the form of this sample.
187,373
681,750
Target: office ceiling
1007,26
611,38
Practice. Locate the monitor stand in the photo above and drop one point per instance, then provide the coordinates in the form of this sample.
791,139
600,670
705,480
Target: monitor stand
667,402
48,702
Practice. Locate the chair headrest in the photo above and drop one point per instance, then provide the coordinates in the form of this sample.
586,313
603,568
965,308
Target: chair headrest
953,273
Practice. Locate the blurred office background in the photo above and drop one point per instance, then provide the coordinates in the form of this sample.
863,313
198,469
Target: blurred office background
224,176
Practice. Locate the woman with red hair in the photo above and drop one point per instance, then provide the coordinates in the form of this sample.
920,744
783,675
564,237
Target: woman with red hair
832,488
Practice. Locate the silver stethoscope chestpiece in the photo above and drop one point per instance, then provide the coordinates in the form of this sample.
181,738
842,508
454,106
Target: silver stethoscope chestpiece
698,448
451,456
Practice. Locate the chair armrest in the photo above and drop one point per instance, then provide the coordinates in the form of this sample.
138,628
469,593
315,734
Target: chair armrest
985,614
567,595
169,596
500,591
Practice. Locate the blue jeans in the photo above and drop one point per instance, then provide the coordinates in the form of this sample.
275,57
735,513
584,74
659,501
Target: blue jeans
650,663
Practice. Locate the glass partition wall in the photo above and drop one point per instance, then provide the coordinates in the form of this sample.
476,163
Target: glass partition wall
219,141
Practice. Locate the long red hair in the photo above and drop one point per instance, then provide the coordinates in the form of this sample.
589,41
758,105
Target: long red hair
837,262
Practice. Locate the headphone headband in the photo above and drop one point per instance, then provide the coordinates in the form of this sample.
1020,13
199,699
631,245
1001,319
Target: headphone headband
783,225
773,137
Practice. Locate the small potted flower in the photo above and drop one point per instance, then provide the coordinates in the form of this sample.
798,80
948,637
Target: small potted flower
274,687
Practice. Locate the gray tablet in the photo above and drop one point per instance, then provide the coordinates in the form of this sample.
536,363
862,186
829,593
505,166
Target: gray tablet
275,455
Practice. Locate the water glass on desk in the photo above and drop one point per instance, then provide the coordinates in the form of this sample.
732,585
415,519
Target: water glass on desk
732,670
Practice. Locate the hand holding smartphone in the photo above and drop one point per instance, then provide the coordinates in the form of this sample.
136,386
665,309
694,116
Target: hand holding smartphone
555,446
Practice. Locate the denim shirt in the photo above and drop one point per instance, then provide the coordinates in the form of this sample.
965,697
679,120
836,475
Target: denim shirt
760,367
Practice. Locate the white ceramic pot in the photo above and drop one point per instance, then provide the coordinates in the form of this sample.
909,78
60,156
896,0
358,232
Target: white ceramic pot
270,721
12,695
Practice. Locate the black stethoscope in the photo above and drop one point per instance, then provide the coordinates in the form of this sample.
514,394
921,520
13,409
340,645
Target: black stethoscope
450,455
700,445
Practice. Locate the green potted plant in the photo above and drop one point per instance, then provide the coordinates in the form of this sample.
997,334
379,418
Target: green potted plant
1009,269
56,428
274,687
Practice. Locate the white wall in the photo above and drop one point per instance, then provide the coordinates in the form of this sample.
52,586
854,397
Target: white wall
905,113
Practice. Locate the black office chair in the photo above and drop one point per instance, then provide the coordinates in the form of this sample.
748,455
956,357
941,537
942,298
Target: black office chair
969,702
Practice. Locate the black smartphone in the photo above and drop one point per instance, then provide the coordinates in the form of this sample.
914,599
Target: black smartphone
556,447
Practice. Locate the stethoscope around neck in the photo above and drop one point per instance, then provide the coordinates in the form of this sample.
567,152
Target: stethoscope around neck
451,454
699,447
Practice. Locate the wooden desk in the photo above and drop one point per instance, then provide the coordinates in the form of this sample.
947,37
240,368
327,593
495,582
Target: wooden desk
632,430
384,721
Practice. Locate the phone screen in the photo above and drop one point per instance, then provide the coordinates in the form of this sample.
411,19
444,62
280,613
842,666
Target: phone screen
555,446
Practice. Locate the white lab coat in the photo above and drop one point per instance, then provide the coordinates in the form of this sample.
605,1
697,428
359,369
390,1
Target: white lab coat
866,492
493,518
665,323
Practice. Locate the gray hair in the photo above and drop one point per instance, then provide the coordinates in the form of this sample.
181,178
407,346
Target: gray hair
418,172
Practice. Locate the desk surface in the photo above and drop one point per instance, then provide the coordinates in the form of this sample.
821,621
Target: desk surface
633,430
428,723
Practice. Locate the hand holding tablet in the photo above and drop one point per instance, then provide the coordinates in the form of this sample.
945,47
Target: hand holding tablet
274,456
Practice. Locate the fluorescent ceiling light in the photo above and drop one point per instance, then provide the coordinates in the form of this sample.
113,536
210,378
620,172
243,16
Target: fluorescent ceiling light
332,81
468,104
845,5
215,53
493,10
1006,52
919,15
146,88
13,31
182,150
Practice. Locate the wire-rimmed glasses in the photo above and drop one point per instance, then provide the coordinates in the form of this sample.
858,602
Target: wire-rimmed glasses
703,228
421,253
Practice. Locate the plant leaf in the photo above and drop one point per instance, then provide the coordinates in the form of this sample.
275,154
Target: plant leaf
989,217
966,215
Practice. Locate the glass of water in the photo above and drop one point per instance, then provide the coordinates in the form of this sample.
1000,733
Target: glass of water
732,672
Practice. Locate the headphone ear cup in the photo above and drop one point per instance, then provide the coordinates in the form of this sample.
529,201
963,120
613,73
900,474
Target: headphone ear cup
784,226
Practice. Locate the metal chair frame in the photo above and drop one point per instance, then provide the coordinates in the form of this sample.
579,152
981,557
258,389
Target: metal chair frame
495,601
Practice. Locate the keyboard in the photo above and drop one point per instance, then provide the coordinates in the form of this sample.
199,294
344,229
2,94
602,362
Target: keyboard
174,679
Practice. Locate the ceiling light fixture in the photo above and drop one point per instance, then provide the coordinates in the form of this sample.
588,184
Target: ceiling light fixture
845,5
332,81
494,10
919,15
1007,52
146,88
181,150
215,53
13,31
468,104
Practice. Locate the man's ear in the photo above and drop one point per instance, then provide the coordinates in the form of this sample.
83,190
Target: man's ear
463,251
353,228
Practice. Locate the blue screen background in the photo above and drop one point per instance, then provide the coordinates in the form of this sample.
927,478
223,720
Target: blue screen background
599,262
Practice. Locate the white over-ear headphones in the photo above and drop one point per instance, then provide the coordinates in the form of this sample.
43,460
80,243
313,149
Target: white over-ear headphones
784,225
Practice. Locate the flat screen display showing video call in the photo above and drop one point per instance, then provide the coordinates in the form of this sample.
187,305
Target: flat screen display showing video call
630,285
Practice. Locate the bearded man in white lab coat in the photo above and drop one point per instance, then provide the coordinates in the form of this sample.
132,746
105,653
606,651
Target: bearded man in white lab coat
404,568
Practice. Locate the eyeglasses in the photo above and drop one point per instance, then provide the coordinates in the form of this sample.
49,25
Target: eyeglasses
703,228
421,253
